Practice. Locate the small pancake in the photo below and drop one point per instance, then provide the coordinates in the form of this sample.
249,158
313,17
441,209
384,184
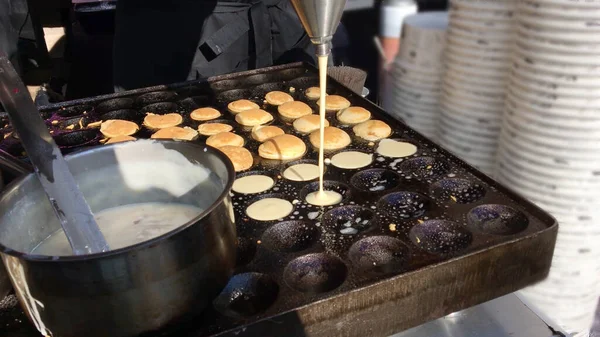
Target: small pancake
294,110
225,139
313,93
175,132
119,139
334,138
282,147
278,97
205,114
209,129
117,127
335,103
308,123
264,133
253,117
241,105
372,130
239,156
155,122
353,115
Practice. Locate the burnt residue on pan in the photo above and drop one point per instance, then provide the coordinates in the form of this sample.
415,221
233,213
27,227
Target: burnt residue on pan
400,222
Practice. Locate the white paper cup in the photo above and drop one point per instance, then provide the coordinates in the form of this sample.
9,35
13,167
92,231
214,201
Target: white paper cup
503,16
567,123
471,108
483,5
573,72
586,5
478,90
559,23
552,100
463,95
423,39
550,92
475,56
480,67
552,87
468,133
553,46
404,67
558,35
467,76
545,128
417,85
565,11
578,114
484,125
585,60
483,26
456,38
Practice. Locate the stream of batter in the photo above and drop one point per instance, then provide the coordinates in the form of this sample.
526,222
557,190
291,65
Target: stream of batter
322,197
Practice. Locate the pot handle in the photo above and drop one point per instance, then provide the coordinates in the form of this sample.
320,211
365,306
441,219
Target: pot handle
12,165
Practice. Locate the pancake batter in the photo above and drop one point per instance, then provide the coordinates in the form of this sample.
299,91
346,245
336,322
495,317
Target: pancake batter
127,225
268,209
395,149
350,160
327,198
302,172
253,184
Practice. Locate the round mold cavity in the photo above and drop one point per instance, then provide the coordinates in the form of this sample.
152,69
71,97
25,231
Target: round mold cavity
114,104
66,123
403,205
440,236
328,185
348,220
256,173
247,294
224,85
303,83
424,167
269,195
126,114
73,111
462,191
375,180
75,138
245,250
233,95
379,255
290,236
256,79
315,273
203,100
497,219
289,74
263,89
155,97
160,108
300,161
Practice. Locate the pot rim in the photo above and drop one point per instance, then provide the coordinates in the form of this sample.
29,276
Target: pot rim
144,244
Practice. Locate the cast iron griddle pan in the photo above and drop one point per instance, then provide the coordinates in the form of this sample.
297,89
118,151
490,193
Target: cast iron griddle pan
433,235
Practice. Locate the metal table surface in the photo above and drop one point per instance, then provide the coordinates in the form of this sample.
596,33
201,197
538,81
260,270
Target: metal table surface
506,316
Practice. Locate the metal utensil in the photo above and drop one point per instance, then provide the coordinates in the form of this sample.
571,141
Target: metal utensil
69,205
320,19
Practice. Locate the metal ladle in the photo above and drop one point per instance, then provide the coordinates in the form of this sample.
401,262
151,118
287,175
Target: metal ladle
67,201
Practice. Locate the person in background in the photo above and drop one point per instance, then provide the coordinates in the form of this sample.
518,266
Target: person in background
160,42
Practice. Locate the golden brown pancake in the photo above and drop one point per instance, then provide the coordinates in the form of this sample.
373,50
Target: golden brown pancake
334,138
313,93
209,129
205,114
239,156
119,139
241,105
278,97
175,132
225,139
282,147
308,123
117,127
335,103
253,117
353,115
264,133
294,110
372,130
155,122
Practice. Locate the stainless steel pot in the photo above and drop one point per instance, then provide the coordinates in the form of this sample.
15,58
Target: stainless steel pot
139,288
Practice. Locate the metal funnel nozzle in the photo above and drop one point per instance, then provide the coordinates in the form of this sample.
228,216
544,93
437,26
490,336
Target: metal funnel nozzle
320,18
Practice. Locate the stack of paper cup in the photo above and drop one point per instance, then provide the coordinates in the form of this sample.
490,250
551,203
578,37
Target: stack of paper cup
550,145
417,71
477,60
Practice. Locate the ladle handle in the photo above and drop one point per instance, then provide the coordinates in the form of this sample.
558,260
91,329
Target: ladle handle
67,201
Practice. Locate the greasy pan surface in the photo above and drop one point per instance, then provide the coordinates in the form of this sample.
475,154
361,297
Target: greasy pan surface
432,235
